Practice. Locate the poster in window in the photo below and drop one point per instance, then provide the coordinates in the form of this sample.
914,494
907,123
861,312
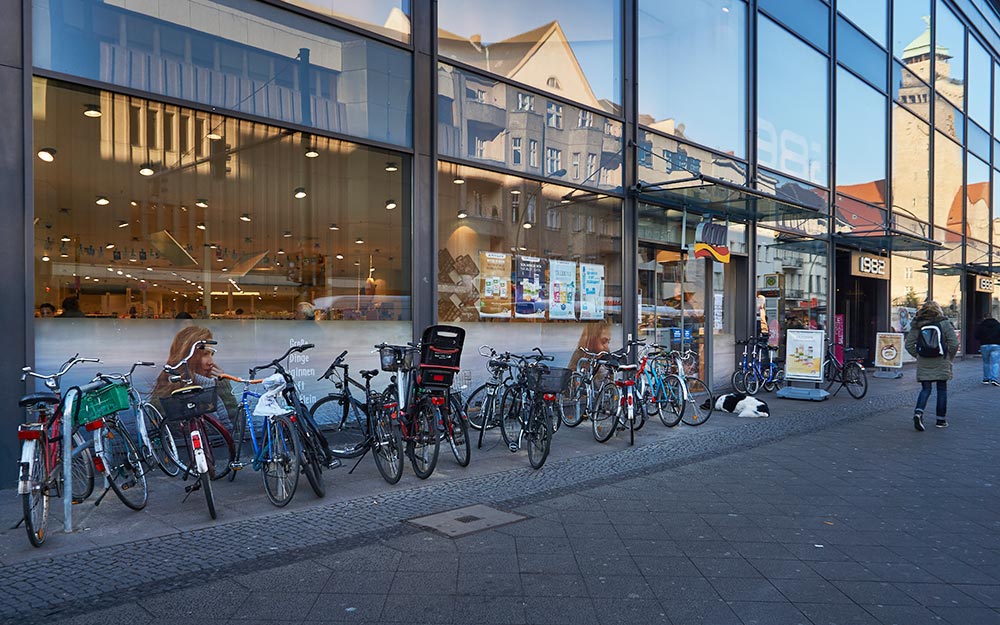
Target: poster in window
805,355
494,284
591,291
529,288
562,289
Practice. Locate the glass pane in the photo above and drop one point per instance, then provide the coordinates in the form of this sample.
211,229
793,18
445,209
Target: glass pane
554,285
566,47
485,120
996,214
949,76
947,183
868,15
809,18
948,293
908,290
702,99
663,158
240,56
978,197
792,131
979,141
389,18
979,83
910,91
323,239
860,139
860,54
949,119
911,149
996,100
911,34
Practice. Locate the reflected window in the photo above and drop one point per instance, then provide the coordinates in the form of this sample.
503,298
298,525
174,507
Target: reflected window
702,96
949,77
555,46
977,199
911,32
791,284
996,209
910,91
948,179
389,18
554,115
979,90
809,18
910,164
868,15
908,290
860,139
860,54
791,131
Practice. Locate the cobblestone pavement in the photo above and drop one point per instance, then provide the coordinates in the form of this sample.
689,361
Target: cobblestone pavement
835,512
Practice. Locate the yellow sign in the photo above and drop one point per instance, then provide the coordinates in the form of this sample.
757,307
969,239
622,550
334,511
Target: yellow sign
804,360
889,350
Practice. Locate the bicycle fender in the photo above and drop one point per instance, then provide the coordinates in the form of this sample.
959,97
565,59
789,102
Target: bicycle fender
27,453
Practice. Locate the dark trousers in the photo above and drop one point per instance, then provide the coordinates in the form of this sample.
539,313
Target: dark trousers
942,397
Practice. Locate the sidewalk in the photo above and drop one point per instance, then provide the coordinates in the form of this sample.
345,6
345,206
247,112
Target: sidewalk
821,514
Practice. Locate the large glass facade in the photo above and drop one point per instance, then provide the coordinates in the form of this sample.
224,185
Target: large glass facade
910,165
791,283
389,18
949,66
860,139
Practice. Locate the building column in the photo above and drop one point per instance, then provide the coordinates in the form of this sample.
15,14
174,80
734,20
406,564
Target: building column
424,232
630,208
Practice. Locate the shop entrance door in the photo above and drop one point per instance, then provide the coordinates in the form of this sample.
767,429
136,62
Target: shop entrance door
980,290
861,301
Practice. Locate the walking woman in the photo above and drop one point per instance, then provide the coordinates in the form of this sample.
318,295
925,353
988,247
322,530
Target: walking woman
933,361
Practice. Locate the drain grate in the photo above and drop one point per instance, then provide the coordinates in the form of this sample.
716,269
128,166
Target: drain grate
468,520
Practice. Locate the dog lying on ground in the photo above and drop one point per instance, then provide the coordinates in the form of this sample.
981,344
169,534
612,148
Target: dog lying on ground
741,405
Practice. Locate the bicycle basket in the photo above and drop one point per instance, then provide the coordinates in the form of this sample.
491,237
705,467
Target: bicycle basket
102,402
547,379
393,358
855,353
189,403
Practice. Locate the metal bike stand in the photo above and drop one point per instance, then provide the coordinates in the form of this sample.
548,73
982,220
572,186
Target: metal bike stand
803,392
70,408
887,373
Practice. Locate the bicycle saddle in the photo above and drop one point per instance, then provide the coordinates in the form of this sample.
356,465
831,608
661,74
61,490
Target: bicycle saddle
38,398
368,373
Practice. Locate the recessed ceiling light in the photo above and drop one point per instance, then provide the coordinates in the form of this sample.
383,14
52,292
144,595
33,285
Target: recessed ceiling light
340,257
109,246
102,200
47,154
462,214
334,227
200,203
311,153
214,136
281,251
527,225
45,258
287,234
92,110
515,192
111,269
201,225
359,240
390,204
133,203
122,223
245,217
96,280
224,269
300,192
219,258
357,263
63,255
459,180
391,167
146,169
65,238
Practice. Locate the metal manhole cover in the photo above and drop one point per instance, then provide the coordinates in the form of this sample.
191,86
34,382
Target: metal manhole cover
468,520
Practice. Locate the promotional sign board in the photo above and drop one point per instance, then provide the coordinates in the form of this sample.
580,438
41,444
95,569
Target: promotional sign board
889,349
530,300
804,359
591,291
562,289
494,284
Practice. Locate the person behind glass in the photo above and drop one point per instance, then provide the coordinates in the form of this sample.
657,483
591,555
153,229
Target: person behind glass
988,335
46,310
934,368
596,337
204,372
71,308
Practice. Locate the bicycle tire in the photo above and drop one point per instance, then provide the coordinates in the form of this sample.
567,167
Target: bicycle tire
738,380
606,412
175,435
163,448
82,466
672,401
511,407
35,503
424,444
751,382
311,458
123,467
478,408
347,434
831,373
279,467
220,446
539,435
696,398
647,393
456,429
856,380
206,485
574,400
239,443
640,414
387,446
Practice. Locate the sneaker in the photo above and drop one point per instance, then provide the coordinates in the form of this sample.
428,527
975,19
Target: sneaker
994,383
987,381
918,422
941,423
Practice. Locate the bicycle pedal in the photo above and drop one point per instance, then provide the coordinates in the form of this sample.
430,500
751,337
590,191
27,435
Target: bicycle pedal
513,447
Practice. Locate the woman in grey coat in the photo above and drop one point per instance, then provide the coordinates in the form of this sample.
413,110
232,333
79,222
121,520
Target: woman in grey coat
932,369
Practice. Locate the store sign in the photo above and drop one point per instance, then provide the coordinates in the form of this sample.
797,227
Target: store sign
984,284
711,241
869,266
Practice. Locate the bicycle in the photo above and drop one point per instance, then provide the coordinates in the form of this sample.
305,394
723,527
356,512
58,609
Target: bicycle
276,454
748,361
517,398
697,397
579,399
484,402
116,454
849,371
659,390
770,377
544,383
40,472
414,411
359,427
616,401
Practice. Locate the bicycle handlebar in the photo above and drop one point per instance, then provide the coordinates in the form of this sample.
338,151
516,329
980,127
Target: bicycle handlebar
183,363
69,364
333,366
233,378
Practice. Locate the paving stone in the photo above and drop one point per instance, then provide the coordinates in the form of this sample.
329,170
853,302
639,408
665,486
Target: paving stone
768,613
836,614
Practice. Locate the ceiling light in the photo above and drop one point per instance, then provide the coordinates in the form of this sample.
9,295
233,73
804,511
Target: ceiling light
527,225
45,258
224,269
281,251
133,203
63,254
92,110
120,272
334,227
359,240
390,204
111,269
725,9
122,223
96,280
311,153
390,166
340,257
214,136
515,192
201,203
219,258
565,200
102,200
459,180
65,238
245,217
201,225
300,192
462,214
149,268
357,263
109,246
47,154
287,234
146,169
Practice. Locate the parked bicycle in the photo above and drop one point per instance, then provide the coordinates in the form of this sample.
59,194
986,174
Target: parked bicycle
534,410
116,454
615,408
769,375
580,399
698,399
849,371
660,390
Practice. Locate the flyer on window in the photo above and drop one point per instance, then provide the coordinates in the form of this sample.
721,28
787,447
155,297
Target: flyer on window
562,289
591,291
530,298
494,284
805,355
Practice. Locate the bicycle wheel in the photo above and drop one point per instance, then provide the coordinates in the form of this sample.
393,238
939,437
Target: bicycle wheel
311,457
123,466
698,402
35,502
739,380
456,429
177,441
539,434
83,469
279,466
206,485
481,405
220,448
640,413
776,382
831,373
346,433
606,412
387,446
511,409
574,400
671,400
240,444
751,382
855,379
647,395
164,449
423,444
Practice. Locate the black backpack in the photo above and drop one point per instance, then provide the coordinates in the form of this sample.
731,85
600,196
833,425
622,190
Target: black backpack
929,343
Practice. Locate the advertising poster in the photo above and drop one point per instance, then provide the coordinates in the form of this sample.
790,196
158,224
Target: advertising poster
530,299
591,291
494,285
888,350
562,289
805,355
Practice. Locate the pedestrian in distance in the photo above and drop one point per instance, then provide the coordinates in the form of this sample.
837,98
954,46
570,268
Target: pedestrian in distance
988,335
933,342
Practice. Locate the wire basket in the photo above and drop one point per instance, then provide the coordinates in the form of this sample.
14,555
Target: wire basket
189,403
393,358
544,379
102,402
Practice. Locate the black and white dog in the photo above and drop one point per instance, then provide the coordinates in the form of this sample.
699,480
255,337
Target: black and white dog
741,405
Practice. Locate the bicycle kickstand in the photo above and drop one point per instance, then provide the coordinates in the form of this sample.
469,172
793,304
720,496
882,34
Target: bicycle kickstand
360,458
101,498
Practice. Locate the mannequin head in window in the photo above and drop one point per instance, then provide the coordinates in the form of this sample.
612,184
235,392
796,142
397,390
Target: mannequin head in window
596,337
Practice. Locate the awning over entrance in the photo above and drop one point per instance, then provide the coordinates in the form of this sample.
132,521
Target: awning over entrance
888,240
